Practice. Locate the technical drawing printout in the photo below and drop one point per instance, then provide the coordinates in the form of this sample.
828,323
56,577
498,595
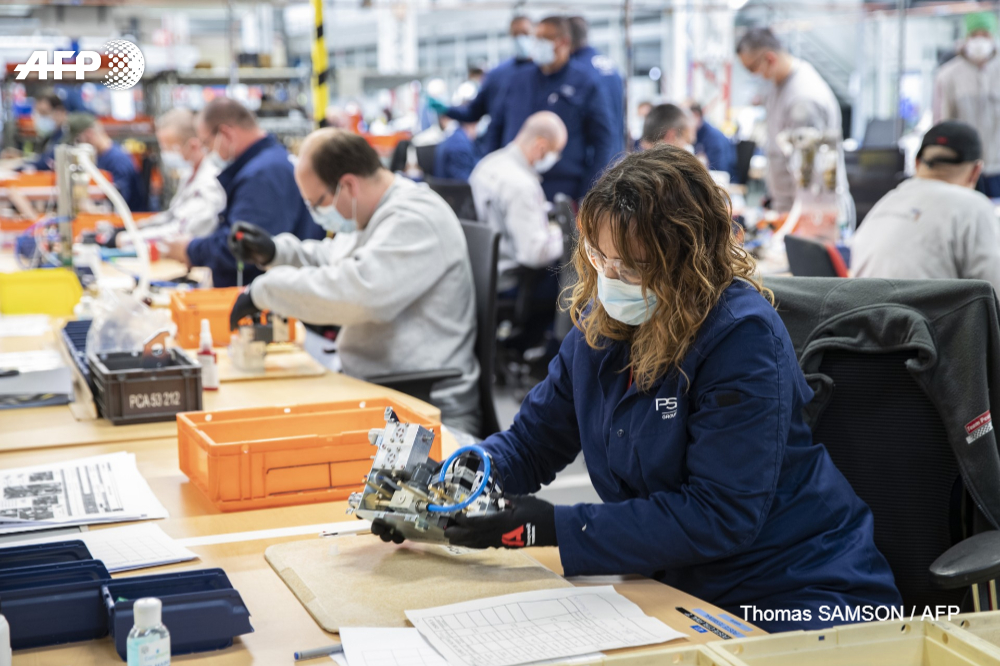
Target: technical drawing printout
533,626
388,647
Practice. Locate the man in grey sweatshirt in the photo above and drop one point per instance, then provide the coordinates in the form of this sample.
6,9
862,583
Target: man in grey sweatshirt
403,296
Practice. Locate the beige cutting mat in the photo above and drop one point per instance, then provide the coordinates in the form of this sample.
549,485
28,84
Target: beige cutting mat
361,581
279,363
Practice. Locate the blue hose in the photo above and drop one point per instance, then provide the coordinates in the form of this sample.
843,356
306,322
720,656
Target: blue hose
485,457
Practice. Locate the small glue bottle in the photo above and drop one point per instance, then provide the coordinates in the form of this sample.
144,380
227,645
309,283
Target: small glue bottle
208,359
5,654
149,641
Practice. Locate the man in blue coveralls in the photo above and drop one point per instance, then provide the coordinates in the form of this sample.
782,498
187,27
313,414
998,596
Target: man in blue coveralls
494,87
571,91
84,128
606,72
712,143
259,181
458,155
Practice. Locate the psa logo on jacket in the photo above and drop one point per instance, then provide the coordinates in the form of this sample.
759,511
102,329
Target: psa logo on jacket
667,407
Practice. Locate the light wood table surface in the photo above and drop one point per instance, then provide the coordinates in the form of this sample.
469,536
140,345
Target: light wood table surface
281,623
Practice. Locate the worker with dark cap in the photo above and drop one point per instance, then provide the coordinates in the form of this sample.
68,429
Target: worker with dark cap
604,69
935,225
966,89
85,128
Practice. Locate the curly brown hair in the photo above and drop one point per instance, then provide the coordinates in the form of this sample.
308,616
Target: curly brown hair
670,220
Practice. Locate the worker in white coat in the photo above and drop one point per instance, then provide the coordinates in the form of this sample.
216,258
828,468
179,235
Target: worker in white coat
506,186
967,88
404,295
195,207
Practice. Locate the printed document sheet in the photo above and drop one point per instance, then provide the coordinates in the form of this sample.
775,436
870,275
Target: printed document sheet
125,548
388,647
85,491
534,626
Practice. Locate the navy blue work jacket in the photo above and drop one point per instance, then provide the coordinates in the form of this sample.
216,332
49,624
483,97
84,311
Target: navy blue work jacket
717,490
260,189
489,101
612,87
574,94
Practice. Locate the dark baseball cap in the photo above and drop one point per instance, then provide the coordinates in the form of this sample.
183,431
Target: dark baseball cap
77,123
959,137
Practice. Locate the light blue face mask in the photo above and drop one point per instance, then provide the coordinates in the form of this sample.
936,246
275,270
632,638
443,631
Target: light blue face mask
544,52
624,302
330,218
523,46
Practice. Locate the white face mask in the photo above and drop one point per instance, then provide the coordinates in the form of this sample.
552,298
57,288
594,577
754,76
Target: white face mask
330,218
544,52
979,49
524,47
625,302
547,162
44,125
215,158
174,161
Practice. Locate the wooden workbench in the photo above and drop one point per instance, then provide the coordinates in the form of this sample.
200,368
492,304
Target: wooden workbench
281,623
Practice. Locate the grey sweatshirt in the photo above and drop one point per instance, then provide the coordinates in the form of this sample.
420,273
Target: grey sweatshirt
403,295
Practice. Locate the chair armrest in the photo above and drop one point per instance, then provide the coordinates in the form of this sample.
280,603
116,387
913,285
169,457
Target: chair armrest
972,561
416,384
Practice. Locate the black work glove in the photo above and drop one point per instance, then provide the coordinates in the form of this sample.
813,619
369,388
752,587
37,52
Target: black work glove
243,307
527,521
251,244
384,531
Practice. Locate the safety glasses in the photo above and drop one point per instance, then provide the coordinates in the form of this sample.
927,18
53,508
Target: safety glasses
613,269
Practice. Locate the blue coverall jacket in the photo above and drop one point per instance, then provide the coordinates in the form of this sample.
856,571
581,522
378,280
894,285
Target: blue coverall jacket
456,157
489,101
260,189
719,150
126,177
613,90
573,93
717,490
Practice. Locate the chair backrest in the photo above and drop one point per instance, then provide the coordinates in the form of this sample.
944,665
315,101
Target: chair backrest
888,439
425,158
810,258
484,251
871,173
744,153
458,194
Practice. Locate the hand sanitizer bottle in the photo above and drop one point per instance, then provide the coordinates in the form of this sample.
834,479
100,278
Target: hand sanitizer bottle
207,358
5,653
149,641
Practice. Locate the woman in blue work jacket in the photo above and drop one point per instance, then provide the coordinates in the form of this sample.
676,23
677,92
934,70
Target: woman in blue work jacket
680,385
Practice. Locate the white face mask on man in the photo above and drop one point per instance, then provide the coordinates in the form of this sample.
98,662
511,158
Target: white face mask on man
548,161
979,49
544,52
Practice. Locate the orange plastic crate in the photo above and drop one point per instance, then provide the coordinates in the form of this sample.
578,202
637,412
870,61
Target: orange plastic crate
281,456
188,308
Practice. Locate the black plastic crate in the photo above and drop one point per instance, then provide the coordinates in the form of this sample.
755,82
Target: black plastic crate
74,336
127,392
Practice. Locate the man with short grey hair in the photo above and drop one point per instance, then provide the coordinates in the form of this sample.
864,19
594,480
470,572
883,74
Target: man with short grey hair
669,124
799,97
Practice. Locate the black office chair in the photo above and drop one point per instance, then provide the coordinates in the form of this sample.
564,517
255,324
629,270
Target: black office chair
744,153
457,193
810,258
883,431
425,159
398,160
484,250
871,173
